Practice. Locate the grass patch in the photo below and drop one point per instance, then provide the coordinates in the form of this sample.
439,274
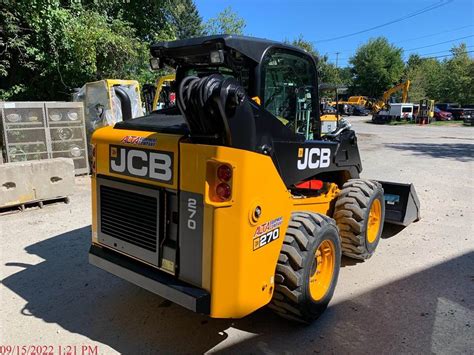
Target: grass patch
433,123
447,123
399,123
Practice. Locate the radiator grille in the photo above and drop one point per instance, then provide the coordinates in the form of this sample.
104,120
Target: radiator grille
129,216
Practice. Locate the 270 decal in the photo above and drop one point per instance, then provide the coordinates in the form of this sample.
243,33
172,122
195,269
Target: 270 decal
267,233
266,239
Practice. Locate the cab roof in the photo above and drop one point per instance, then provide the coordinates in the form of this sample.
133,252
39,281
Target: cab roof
251,47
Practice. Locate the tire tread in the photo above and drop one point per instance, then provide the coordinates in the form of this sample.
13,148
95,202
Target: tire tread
289,271
350,210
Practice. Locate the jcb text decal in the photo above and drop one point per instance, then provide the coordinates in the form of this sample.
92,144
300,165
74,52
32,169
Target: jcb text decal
142,163
313,158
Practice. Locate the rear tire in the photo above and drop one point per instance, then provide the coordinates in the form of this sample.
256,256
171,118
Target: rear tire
308,267
359,214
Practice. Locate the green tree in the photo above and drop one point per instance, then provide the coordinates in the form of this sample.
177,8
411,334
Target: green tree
328,73
226,22
153,20
376,66
49,47
16,54
186,19
65,48
458,77
450,80
426,76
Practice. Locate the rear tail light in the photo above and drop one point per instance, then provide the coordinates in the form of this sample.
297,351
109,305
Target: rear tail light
220,181
224,173
223,191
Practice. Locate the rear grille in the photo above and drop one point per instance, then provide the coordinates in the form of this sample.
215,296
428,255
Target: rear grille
129,216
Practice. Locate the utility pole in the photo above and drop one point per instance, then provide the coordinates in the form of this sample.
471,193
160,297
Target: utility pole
337,58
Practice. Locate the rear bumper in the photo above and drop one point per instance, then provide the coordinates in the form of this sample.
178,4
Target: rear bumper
151,279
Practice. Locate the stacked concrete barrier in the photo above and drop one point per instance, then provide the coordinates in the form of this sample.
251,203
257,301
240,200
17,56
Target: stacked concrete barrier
35,181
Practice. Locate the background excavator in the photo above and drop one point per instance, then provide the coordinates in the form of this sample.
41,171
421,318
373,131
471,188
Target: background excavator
380,108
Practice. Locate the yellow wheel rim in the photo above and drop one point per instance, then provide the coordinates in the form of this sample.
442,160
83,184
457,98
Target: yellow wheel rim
322,270
375,220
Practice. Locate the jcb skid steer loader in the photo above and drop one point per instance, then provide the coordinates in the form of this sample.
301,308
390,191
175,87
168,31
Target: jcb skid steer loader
232,200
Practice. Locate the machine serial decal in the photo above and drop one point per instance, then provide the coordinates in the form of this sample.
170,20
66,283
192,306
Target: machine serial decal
192,210
150,142
266,233
142,163
313,158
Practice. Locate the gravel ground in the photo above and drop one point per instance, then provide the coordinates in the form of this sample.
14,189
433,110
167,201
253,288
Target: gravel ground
416,295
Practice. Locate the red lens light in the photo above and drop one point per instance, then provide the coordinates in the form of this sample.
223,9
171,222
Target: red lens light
223,191
224,173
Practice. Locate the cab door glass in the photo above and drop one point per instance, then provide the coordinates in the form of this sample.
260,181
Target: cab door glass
288,89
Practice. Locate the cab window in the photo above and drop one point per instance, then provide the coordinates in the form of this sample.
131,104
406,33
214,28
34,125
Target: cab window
288,89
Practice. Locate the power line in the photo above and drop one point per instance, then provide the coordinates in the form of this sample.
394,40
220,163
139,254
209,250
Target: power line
442,56
410,15
437,44
438,56
431,45
412,39
434,34
446,50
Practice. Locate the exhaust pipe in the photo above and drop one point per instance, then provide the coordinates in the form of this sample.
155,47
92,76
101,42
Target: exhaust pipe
125,103
402,205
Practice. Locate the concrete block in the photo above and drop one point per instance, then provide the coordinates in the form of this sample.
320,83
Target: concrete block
39,180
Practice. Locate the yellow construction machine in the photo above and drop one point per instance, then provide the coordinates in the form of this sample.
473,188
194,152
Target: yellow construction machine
233,200
382,103
380,108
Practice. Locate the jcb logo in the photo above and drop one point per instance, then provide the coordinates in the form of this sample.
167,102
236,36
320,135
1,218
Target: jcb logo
313,158
147,164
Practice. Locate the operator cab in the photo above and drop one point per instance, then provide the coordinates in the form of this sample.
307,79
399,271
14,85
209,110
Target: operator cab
279,77
251,94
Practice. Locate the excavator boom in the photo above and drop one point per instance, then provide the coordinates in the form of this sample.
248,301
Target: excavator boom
380,104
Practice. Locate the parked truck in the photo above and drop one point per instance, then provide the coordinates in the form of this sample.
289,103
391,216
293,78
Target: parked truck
458,112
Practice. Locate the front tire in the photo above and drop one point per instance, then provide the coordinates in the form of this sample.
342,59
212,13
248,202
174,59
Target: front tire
308,267
359,213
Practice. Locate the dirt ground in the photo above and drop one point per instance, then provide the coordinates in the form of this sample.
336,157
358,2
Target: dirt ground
415,295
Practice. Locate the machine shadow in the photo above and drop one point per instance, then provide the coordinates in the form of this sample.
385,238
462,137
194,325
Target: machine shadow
462,152
391,230
66,290
431,311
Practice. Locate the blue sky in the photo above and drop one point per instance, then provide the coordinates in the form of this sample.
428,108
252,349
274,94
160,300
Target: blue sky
318,20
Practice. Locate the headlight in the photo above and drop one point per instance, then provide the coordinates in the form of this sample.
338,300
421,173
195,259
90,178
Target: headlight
217,57
13,117
55,116
75,151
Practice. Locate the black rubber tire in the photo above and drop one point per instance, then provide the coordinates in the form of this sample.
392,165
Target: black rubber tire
352,213
291,298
